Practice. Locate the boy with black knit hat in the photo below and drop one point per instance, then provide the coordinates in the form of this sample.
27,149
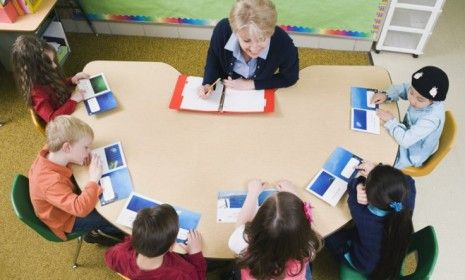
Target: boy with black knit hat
418,134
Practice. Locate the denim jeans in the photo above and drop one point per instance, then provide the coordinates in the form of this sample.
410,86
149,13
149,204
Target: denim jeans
94,221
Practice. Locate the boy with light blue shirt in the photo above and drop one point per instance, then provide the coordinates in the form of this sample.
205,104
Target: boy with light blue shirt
418,134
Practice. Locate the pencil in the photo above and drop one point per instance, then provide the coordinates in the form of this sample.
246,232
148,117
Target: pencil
211,87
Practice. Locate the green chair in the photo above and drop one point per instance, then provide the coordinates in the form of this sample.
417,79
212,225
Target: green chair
25,212
425,244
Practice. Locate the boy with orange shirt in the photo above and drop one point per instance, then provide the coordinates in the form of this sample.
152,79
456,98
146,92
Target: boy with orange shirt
56,200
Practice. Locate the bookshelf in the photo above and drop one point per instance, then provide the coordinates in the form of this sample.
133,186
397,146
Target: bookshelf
408,25
44,23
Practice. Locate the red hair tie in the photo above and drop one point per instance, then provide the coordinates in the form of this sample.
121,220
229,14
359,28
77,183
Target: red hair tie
308,212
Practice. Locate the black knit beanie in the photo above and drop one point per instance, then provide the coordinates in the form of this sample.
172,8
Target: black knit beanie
431,82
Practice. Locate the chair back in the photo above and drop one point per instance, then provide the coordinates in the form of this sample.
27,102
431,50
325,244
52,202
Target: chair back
24,210
424,242
37,121
446,143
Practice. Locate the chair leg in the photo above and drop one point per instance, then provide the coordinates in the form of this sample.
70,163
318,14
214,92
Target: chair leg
78,249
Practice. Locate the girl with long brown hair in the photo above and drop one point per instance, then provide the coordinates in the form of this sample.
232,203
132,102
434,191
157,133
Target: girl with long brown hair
40,79
277,241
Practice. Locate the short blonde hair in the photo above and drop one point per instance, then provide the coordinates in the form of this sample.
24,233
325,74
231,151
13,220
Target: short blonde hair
258,16
66,129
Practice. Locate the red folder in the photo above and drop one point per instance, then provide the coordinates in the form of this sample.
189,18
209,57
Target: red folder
177,97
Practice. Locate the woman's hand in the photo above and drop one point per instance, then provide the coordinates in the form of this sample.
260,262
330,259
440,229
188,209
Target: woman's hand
204,91
79,76
239,84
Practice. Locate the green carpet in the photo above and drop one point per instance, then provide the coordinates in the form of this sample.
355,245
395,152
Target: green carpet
24,254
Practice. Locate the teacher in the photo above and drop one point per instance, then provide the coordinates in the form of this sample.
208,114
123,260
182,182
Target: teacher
249,51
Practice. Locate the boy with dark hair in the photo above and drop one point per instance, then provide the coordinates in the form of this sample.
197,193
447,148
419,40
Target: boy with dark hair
148,255
418,134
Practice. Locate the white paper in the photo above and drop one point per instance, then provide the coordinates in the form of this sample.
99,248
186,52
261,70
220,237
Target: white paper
244,101
108,193
93,105
350,167
191,99
369,95
372,121
335,191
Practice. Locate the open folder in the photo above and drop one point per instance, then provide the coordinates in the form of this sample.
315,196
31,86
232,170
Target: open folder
363,112
98,96
330,183
185,97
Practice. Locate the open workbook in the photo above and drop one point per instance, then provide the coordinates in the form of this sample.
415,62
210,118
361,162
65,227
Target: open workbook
330,183
185,97
230,203
98,97
363,112
188,220
116,180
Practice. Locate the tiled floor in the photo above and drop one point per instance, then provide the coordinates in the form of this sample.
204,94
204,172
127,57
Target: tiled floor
440,195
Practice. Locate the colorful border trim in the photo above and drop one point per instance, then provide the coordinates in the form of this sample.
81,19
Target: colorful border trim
207,22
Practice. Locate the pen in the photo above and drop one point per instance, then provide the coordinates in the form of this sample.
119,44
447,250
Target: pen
211,87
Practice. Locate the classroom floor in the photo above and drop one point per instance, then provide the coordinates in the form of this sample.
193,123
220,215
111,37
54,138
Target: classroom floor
440,198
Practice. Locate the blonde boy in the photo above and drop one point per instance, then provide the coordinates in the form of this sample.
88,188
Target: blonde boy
56,200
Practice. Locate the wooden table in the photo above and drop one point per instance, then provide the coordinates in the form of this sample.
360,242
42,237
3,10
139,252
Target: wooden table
185,158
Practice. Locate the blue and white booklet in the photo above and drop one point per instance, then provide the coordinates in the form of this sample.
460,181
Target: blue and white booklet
188,220
331,182
229,204
116,180
363,112
98,97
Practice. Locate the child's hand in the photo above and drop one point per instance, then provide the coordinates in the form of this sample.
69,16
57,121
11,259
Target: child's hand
95,169
77,95
365,167
255,187
361,195
194,242
204,91
384,115
240,84
79,76
286,186
378,98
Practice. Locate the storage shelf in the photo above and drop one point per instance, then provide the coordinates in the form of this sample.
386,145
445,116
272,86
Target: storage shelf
406,29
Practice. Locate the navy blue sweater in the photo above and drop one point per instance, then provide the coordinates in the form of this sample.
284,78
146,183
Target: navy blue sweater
282,55
365,248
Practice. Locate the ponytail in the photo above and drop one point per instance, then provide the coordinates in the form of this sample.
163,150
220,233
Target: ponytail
398,229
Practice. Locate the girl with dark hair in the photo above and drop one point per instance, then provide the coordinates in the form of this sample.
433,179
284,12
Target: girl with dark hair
40,79
277,241
381,202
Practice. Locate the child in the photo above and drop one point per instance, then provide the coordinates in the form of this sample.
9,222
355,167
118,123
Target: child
147,255
381,206
277,242
418,135
40,79
54,197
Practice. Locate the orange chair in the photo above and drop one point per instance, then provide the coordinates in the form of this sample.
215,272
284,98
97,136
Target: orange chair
446,143
37,121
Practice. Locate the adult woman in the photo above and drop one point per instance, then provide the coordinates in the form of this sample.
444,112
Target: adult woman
249,51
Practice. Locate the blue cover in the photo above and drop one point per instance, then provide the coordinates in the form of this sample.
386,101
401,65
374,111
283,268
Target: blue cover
187,219
338,160
359,98
360,119
106,102
122,185
236,199
322,183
